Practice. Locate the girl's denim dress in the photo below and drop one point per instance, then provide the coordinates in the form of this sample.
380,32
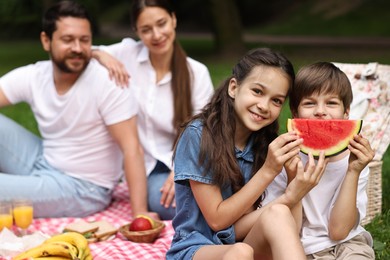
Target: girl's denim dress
191,229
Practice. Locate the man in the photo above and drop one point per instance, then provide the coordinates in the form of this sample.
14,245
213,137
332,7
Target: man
87,124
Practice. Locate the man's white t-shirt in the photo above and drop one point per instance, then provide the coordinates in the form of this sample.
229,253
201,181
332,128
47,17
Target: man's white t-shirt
319,202
155,100
73,126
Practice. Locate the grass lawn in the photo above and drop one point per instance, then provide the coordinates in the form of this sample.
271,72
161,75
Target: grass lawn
18,53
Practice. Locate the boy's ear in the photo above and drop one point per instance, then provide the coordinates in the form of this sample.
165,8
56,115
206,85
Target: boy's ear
294,114
232,88
346,113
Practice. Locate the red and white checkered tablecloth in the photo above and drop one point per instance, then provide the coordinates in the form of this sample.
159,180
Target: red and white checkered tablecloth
118,248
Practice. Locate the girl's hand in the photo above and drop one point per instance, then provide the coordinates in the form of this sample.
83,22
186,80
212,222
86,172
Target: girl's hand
117,71
306,177
361,153
283,148
168,192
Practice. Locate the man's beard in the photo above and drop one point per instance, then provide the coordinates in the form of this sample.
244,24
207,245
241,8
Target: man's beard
64,67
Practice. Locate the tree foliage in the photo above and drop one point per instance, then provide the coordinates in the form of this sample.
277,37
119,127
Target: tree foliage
223,18
19,18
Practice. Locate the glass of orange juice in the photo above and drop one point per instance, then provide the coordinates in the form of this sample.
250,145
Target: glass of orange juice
6,219
23,212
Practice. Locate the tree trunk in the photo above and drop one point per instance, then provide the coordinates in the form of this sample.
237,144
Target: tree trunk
46,4
227,27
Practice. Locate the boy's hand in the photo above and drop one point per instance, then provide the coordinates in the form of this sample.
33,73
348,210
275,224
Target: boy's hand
361,153
291,167
306,177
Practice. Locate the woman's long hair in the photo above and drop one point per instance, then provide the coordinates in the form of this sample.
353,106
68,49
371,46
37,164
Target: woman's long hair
181,83
217,149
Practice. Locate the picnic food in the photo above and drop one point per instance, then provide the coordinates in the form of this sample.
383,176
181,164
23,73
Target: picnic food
6,218
148,218
23,213
82,227
332,135
104,232
69,245
93,231
141,223
145,236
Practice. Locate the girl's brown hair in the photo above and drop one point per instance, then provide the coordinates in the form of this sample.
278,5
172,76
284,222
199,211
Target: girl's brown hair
217,148
181,76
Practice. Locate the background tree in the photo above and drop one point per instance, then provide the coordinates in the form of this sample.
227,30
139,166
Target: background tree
225,20
227,27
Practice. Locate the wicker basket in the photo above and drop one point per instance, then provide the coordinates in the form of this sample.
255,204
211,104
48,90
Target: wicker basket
147,236
374,191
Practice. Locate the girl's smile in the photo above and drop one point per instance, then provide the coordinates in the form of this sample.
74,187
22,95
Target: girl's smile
257,117
258,100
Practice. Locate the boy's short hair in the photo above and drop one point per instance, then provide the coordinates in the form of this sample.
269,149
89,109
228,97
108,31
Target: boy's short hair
320,78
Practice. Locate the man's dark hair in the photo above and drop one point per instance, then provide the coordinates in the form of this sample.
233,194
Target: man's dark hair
60,10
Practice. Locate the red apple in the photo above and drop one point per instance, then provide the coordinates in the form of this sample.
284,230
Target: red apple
140,224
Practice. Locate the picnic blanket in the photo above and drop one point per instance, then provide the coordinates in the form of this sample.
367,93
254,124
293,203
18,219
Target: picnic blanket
119,248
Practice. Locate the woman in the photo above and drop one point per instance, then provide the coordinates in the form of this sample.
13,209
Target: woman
170,87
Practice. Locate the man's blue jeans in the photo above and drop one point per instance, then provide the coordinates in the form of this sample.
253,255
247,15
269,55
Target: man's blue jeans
24,173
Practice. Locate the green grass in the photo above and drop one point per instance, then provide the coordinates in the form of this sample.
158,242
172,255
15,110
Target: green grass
18,53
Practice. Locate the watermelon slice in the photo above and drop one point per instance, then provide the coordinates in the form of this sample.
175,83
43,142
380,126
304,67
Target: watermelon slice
332,136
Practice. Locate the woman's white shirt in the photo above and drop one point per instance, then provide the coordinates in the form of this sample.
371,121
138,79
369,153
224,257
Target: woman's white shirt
155,100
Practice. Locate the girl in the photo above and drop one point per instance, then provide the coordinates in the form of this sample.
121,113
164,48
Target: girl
170,88
225,158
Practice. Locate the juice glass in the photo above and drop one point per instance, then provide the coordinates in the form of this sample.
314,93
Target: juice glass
6,219
23,214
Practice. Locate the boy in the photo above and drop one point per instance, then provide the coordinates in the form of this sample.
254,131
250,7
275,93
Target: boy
334,208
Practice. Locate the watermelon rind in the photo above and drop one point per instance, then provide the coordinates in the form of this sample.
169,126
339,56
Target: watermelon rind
332,141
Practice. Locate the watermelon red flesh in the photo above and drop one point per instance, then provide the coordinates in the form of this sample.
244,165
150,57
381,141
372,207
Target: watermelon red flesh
332,136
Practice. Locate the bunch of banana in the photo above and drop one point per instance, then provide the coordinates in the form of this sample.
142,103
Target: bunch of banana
69,245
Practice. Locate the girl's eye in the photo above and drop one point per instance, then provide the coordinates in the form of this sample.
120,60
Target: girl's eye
257,91
278,101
